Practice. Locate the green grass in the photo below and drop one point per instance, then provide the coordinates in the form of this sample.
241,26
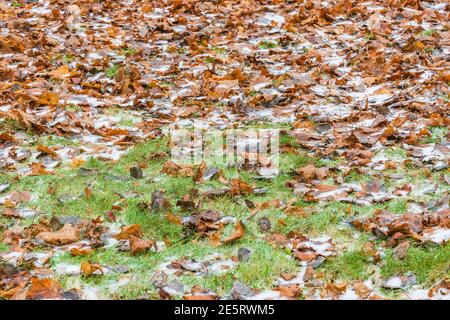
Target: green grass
352,265
112,71
438,135
127,51
429,264
3,247
220,50
267,44
111,184
428,32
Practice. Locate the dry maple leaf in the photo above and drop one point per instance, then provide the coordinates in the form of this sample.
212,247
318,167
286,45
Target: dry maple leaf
303,256
80,251
48,98
19,197
198,178
238,233
362,290
172,218
87,269
177,170
289,291
131,230
333,291
239,187
43,289
310,172
60,72
296,211
138,245
67,234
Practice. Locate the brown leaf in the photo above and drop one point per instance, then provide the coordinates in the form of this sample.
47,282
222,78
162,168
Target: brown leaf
48,151
176,170
67,234
146,8
87,269
238,233
362,290
60,72
296,211
131,230
198,178
310,172
87,193
80,251
139,245
289,291
43,289
334,291
302,256
48,98
19,197
401,250
239,187
172,218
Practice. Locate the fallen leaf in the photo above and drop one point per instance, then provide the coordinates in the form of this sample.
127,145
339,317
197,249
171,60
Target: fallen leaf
138,245
87,269
240,187
238,233
131,230
67,234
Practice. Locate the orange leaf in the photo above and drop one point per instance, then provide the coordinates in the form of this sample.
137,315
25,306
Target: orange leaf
239,187
43,289
47,150
48,98
88,269
238,233
139,245
67,234
80,251
60,72
131,230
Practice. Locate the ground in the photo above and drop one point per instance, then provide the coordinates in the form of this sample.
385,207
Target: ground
94,204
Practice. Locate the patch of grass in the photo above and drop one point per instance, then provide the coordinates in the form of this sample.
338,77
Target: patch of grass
11,124
267,44
438,135
73,108
67,58
4,247
352,265
126,122
429,264
219,50
127,51
264,266
112,71
52,140
320,220
397,206
111,185
369,37
357,177
395,153
210,60
428,32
